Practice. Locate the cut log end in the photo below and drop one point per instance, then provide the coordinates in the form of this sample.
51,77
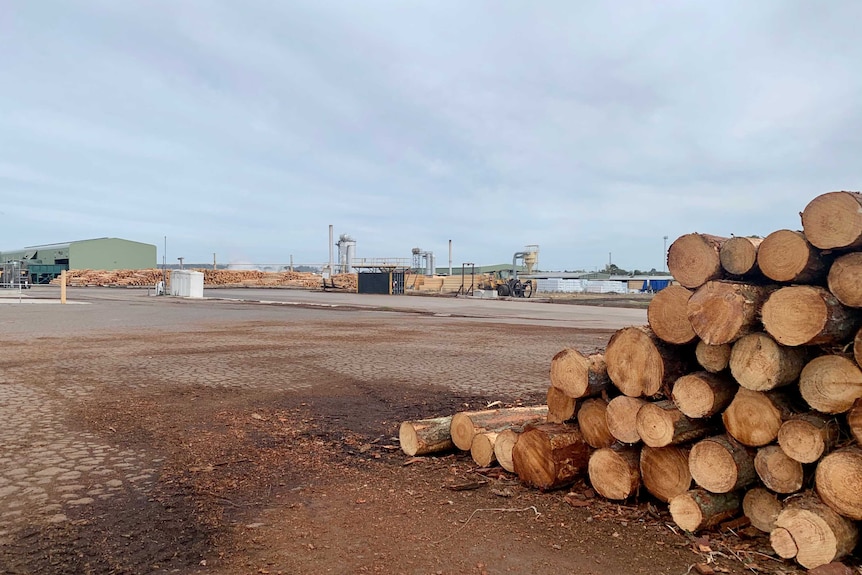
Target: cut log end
693,259
426,436
782,543
665,472
778,472
807,437
703,394
845,279
808,315
786,256
482,450
838,480
614,473
713,358
621,416
759,363
720,465
667,317
503,446
821,535
722,312
698,509
753,417
593,422
834,220
550,455
762,507
738,255
831,383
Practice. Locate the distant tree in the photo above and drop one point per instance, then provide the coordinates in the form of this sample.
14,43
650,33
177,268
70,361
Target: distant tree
615,270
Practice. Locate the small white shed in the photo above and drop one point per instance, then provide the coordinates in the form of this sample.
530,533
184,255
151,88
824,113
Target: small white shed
187,283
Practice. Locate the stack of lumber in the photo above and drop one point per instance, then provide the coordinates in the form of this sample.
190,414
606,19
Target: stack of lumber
742,397
212,278
447,284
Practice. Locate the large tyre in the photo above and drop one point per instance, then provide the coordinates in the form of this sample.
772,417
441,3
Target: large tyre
503,290
528,288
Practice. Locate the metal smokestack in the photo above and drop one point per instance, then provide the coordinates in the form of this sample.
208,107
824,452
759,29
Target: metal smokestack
450,257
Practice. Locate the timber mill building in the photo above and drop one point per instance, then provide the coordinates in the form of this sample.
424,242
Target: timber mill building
46,262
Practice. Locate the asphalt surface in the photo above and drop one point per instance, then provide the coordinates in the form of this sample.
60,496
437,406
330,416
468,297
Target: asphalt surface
528,312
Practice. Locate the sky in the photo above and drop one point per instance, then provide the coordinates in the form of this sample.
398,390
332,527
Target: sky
593,129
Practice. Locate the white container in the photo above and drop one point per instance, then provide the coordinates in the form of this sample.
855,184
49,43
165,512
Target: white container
187,283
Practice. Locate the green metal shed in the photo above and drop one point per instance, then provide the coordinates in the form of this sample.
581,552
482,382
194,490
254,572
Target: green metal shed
94,254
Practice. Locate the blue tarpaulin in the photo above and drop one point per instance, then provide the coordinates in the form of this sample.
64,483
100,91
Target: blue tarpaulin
655,285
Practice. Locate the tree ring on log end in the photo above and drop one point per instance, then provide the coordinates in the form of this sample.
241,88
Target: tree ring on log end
716,470
833,220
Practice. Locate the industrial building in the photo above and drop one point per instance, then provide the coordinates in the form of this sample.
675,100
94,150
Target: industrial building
47,261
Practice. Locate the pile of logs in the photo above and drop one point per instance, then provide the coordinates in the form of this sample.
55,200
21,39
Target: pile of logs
741,398
212,278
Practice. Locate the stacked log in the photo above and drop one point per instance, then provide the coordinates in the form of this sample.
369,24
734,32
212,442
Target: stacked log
743,395
212,278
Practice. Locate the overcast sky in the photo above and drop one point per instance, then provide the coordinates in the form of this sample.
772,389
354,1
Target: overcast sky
245,128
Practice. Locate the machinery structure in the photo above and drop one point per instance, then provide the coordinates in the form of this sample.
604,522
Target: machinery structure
14,274
511,285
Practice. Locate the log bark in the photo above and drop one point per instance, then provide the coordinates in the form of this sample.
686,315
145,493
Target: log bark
754,417
593,423
834,220
722,312
857,347
693,259
808,315
831,383
614,472
738,256
777,471
503,446
621,415
762,507
854,420
713,358
808,436
786,256
667,316
664,471
639,363
838,481
760,363
561,407
703,394
821,535
661,423
482,450
550,455
426,436
698,509
578,375
466,424
845,279
721,465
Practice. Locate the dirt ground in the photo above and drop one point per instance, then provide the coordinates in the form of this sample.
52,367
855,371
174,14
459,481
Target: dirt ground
157,436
